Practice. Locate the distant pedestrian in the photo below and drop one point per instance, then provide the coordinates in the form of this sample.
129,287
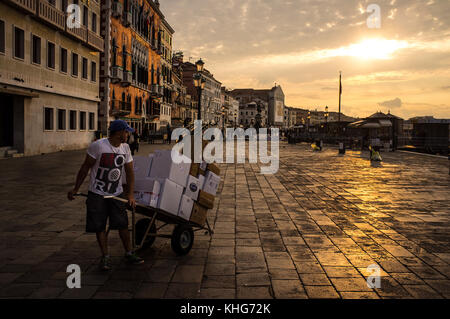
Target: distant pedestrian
169,134
132,142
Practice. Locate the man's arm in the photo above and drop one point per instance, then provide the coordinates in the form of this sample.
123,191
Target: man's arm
82,173
129,170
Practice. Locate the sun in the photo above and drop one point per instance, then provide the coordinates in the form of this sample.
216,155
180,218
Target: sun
381,49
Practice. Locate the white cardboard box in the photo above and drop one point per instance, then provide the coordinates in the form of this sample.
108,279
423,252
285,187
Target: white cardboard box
170,196
192,187
142,166
163,167
211,184
186,206
201,180
147,192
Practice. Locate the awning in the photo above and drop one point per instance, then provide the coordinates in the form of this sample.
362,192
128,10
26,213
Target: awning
385,123
371,125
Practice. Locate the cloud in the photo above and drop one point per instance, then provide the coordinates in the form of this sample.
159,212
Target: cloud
392,103
303,44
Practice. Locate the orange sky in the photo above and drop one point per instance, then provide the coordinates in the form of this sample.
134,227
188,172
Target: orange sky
403,66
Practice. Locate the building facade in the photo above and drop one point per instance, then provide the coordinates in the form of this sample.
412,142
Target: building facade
274,98
132,79
49,76
168,98
252,113
211,105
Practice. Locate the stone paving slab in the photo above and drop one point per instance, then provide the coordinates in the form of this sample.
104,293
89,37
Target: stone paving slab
309,231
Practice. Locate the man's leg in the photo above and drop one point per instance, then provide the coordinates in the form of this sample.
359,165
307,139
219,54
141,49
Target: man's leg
118,219
125,237
96,223
102,240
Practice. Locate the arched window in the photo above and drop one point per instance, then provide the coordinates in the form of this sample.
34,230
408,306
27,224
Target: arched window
114,52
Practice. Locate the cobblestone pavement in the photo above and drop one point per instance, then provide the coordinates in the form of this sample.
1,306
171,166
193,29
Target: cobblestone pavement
310,231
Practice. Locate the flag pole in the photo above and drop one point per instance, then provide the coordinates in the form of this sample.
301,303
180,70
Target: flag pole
340,92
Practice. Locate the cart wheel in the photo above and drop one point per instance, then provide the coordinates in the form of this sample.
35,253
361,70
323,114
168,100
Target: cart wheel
141,227
182,239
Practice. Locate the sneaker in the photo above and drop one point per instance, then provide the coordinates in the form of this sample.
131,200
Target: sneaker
105,263
134,259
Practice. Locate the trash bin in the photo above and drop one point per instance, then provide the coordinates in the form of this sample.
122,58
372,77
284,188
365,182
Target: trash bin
341,148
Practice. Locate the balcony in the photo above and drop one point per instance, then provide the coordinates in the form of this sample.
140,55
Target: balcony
27,5
116,9
127,19
116,74
120,108
127,78
78,33
154,89
95,41
51,15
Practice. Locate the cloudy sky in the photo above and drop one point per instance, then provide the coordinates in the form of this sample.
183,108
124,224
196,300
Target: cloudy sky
403,66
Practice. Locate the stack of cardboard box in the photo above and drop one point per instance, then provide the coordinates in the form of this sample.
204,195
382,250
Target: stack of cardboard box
185,190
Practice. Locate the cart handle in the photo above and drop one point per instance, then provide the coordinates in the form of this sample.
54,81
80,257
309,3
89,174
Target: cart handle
105,197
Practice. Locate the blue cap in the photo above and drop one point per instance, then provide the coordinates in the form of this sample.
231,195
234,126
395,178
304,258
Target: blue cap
120,125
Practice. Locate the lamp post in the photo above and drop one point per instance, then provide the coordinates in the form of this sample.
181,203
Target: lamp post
199,83
326,119
223,119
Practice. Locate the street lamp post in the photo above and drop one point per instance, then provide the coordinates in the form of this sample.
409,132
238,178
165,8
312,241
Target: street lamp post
223,118
326,119
199,83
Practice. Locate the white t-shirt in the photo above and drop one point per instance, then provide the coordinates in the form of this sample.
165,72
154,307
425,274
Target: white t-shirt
106,174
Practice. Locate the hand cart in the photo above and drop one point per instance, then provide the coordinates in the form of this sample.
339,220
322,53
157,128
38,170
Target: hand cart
144,231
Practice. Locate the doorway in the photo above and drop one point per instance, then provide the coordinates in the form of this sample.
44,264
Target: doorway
6,120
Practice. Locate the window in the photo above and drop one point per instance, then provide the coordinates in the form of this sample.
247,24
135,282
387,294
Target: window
48,118
91,121
19,43
93,71
2,36
74,64
84,70
63,63
82,121
73,120
36,53
94,22
61,119
50,55
85,16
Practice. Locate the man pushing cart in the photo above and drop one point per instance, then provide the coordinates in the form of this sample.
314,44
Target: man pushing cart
105,159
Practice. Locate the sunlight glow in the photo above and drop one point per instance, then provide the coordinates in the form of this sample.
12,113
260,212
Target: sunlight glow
371,49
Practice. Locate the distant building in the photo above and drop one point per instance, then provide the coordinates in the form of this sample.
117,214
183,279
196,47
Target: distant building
385,127
230,107
250,112
49,75
211,106
274,98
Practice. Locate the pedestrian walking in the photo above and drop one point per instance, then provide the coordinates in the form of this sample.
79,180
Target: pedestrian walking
169,134
133,141
105,160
